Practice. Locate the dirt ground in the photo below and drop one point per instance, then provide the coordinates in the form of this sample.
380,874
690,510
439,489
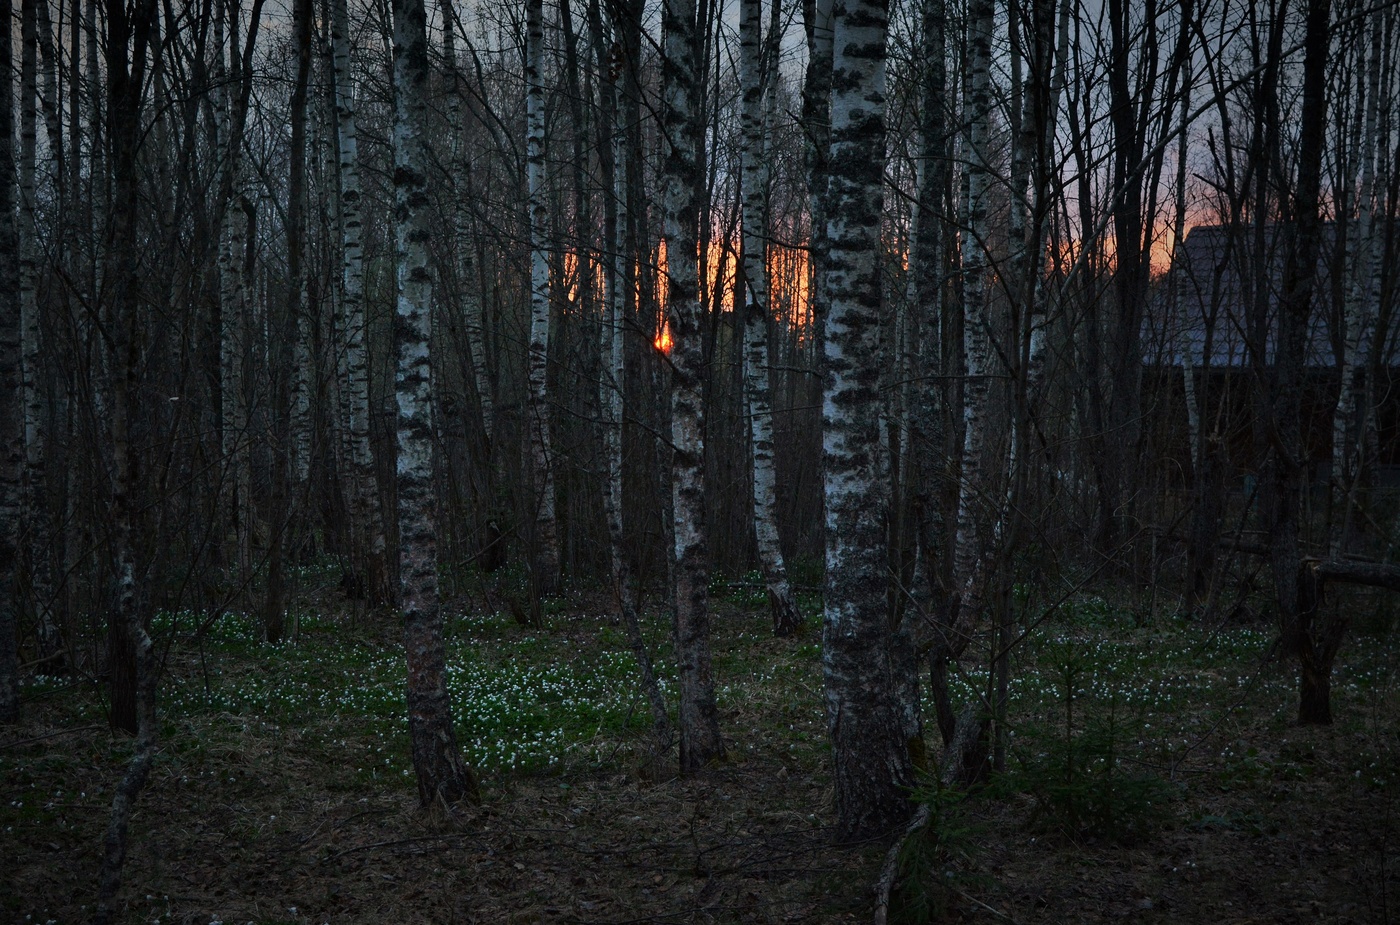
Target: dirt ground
261,825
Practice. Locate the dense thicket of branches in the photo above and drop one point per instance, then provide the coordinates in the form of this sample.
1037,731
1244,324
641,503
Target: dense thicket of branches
203,369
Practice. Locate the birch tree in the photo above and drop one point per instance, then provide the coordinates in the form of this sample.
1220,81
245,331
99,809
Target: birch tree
969,562
366,514
786,618
544,538
861,663
700,741
286,348
232,91
442,773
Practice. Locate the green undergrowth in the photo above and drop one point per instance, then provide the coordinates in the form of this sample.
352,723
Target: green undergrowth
1120,726
1109,717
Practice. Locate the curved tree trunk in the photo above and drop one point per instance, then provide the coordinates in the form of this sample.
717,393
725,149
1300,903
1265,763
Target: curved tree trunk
443,775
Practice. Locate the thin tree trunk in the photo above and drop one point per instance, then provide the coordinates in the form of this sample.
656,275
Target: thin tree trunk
11,381
1305,630
366,513
927,266
786,619
128,44
700,740
286,347
231,297
35,517
471,301
544,538
611,383
816,121
443,775
969,562
1349,417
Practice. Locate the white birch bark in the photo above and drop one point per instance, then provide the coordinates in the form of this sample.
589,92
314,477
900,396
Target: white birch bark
50,102
232,259
442,773
366,514
613,356
786,619
969,573
700,740
862,663
612,361
545,538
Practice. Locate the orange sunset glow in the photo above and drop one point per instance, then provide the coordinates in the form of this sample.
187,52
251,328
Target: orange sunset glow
789,286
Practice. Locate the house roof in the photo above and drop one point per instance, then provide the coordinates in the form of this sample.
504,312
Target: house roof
1212,282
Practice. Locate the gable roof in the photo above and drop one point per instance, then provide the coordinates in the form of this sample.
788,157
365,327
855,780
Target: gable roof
1213,282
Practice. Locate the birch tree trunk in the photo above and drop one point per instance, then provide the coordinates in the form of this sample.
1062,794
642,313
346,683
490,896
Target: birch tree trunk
235,265
11,381
786,619
544,540
443,775
613,354
969,562
700,741
366,514
861,662
285,351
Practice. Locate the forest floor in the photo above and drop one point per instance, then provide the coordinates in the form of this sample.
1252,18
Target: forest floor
1154,775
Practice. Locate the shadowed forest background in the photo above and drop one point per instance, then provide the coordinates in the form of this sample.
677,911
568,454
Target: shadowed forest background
622,461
